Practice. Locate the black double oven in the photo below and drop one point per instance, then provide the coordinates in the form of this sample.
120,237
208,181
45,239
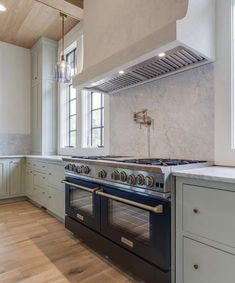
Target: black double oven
134,228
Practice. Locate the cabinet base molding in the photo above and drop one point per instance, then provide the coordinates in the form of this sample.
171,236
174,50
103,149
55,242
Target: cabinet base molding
56,216
12,199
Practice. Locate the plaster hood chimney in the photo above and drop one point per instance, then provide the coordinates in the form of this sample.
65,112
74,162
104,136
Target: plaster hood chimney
158,39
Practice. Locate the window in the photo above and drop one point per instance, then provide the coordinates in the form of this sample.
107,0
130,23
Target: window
233,74
72,117
97,119
68,104
224,84
94,119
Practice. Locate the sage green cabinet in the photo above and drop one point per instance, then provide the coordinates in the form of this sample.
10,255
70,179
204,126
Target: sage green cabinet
16,177
4,178
44,185
11,178
44,97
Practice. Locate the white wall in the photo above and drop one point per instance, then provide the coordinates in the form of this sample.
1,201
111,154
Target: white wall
14,89
14,99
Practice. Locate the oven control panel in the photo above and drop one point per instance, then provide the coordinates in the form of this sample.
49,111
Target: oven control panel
127,177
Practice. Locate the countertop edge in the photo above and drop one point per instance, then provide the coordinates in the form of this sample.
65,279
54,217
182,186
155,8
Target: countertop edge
213,173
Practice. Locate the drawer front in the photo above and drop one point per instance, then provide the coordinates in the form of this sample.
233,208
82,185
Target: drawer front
204,264
40,180
56,202
55,176
38,165
209,213
29,163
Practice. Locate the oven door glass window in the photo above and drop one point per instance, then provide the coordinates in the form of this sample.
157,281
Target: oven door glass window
132,220
81,200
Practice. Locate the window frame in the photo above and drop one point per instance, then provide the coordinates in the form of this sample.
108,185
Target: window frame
68,133
102,124
224,84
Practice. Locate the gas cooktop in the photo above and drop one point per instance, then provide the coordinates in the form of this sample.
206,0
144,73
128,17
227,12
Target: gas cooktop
150,176
143,161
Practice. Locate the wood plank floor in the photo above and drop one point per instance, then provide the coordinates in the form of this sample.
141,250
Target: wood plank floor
36,248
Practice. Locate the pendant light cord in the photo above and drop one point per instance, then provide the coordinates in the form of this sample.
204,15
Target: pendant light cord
62,56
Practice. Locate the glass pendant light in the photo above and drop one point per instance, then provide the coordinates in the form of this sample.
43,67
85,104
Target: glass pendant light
63,68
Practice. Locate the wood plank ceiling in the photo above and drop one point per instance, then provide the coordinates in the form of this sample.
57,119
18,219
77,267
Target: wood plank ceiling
25,21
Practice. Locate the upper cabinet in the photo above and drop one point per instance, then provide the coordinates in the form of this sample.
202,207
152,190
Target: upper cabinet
44,97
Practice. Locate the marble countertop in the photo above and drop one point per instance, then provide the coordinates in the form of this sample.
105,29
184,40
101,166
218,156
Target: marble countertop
211,173
44,157
47,157
11,156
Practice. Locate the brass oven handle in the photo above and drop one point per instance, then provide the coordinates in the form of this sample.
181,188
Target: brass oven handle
80,187
155,209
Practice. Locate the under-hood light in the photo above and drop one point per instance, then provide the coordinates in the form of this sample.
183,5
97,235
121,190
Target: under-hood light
121,72
162,54
2,8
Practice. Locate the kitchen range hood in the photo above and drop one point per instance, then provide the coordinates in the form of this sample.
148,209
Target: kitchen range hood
180,45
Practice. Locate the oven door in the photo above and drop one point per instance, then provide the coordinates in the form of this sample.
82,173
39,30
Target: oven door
81,202
139,223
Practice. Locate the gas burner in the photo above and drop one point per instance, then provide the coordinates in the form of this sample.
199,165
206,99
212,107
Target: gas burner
101,157
161,162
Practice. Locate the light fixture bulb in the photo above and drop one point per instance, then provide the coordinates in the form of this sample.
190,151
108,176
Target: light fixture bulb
121,72
63,71
162,54
2,8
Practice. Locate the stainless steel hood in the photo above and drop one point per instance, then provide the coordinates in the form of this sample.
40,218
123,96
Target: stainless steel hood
183,44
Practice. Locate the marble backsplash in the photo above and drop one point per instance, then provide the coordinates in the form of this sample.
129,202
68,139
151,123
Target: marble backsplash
182,107
15,144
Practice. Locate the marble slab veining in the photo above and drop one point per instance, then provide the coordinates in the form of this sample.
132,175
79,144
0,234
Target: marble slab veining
182,109
211,173
15,144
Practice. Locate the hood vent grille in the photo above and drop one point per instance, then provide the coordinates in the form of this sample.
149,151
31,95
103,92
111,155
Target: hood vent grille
176,60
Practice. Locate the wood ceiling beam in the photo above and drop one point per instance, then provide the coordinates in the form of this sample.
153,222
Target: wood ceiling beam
78,3
72,10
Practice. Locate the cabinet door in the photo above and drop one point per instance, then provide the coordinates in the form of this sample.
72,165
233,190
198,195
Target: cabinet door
15,171
49,117
36,65
56,202
36,114
35,72
55,176
204,264
29,182
3,179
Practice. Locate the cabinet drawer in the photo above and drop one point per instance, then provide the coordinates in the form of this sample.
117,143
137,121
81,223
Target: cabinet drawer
40,180
209,213
56,202
204,264
38,165
29,163
55,176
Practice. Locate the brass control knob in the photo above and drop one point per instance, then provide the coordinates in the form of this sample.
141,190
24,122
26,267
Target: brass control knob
123,176
85,169
131,180
78,169
115,175
149,181
102,174
140,179
68,167
71,167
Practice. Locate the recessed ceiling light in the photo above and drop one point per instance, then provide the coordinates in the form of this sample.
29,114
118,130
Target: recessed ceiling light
121,72
162,54
2,8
